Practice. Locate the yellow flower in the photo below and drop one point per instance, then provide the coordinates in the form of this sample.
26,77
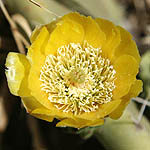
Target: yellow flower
78,70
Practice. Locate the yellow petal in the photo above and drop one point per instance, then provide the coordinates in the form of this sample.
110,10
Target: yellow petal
44,117
35,33
97,122
126,69
53,111
126,46
123,84
135,89
17,72
112,36
36,92
92,33
66,32
37,59
42,113
30,103
50,27
79,123
103,110
119,111
36,50
126,65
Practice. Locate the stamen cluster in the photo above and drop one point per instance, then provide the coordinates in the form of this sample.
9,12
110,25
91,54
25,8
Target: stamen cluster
78,79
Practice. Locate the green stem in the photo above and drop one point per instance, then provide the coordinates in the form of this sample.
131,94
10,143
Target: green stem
124,134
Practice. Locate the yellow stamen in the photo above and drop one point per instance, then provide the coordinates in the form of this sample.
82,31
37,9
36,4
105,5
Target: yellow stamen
78,79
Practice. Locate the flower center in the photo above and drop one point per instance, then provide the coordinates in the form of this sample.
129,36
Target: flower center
76,76
78,79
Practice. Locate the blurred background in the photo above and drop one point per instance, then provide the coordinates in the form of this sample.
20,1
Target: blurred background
20,131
